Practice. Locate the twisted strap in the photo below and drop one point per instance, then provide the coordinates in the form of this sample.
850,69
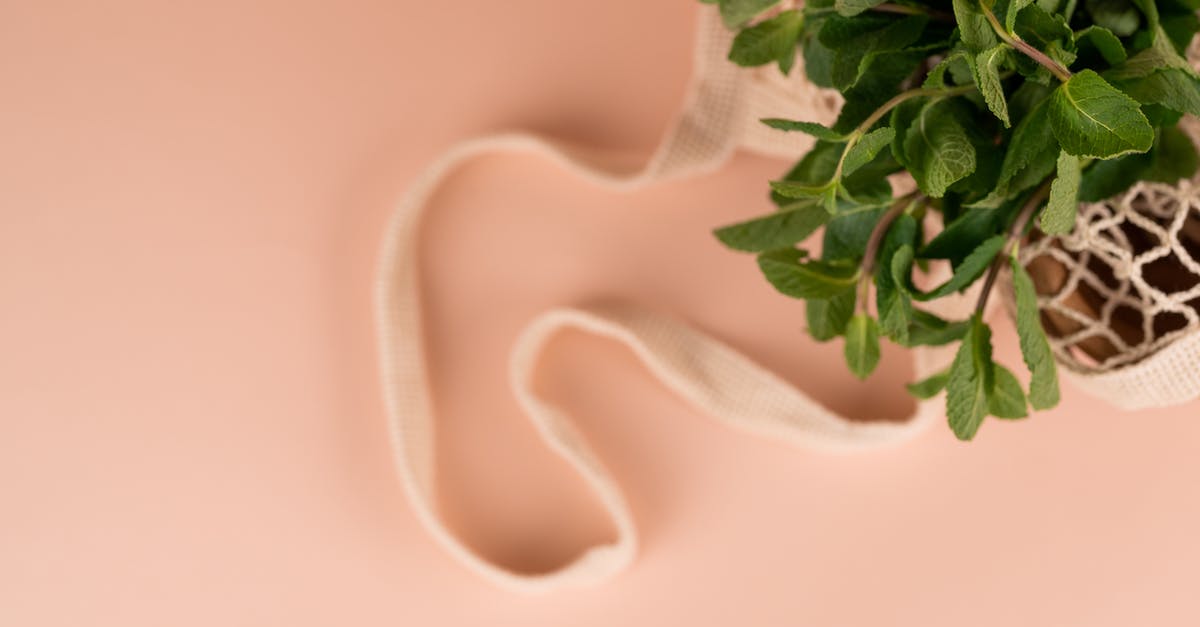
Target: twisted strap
713,377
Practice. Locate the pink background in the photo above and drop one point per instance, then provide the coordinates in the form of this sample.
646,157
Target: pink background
191,432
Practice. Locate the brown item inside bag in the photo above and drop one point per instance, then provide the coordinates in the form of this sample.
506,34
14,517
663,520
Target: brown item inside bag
1123,336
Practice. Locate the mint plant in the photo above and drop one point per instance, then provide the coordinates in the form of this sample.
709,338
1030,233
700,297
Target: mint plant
1006,114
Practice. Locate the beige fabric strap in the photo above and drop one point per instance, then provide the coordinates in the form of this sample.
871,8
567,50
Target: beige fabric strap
713,377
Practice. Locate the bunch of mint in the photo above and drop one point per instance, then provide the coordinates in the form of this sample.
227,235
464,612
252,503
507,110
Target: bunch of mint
1007,114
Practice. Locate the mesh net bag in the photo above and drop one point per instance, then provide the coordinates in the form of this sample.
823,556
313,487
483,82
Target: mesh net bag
1120,294
1126,282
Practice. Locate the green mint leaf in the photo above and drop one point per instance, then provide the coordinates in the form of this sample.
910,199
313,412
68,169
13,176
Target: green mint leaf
971,381
987,77
1027,97
936,79
1159,75
1007,399
865,150
892,300
928,388
1048,33
839,32
810,128
846,235
1160,55
812,177
858,42
813,171
1105,179
1031,157
813,279
988,160
866,187
1150,10
1173,157
1104,42
971,268
1091,118
794,189
903,233
829,199
1181,28
862,345
900,268
963,235
850,8
973,26
1009,10
818,59
769,41
1058,217
885,75
1173,88
895,313
1118,16
938,148
1042,28
736,13
902,118
781,229
828,318
1043,386
1032,153
787,61
930,330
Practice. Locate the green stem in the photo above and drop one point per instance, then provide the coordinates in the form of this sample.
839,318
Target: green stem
867,270
1022,46
940,92
1012,241
861,129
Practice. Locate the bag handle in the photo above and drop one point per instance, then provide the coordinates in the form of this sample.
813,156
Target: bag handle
715,378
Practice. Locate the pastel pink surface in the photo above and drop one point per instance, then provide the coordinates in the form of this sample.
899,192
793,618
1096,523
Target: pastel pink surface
191,431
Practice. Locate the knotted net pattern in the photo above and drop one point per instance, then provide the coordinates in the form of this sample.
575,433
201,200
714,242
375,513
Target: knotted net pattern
1125,283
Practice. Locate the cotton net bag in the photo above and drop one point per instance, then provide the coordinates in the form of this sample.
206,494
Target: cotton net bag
719,115
1120,294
